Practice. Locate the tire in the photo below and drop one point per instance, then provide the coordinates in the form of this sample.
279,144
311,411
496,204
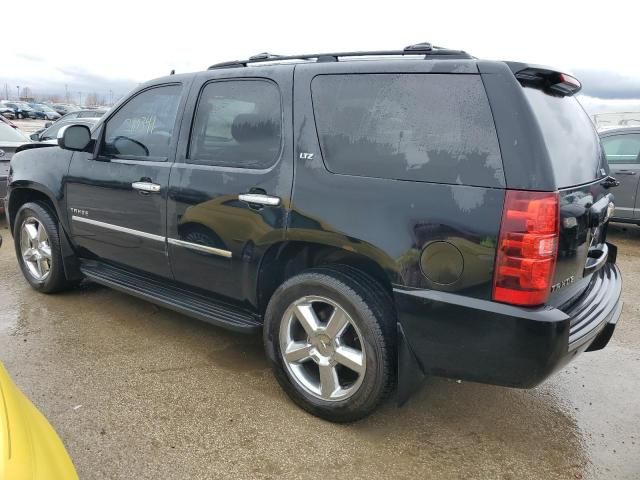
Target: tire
370,330
39,215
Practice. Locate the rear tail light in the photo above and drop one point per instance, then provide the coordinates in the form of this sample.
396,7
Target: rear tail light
527,248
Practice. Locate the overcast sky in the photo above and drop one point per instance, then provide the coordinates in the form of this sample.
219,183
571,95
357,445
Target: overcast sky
113,45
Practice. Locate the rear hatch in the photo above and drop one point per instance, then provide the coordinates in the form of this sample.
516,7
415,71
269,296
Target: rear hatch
581,176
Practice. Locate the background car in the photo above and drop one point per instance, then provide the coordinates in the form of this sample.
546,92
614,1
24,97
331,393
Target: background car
50,134
7,112
8,122
84,113
21,108
44,111
10,139
63,109
622,149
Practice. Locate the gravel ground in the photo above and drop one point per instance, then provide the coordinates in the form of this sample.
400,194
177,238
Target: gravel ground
136,391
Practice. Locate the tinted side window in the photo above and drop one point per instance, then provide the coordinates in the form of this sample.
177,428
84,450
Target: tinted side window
237,124
143,127
425,127
569,135
622,148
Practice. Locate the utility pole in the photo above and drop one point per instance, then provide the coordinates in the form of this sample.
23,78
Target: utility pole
18,87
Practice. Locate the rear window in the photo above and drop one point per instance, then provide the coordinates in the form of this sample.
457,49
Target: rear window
569,135
424,127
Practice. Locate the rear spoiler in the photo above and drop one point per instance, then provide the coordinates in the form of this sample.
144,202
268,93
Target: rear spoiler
543,78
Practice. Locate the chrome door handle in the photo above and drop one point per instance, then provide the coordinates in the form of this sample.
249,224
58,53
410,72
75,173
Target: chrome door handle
259,199
625,172
146,187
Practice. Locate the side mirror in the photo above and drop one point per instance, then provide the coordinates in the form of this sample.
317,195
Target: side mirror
74,137
35,136
47,124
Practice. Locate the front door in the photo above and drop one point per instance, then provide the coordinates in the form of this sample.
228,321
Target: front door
230,186
623,155
117,195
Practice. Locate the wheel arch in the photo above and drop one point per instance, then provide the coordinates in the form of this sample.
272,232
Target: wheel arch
26,193
23,192
286,259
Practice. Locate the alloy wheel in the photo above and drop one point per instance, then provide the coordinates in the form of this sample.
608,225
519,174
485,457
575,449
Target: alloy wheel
35,248
322,348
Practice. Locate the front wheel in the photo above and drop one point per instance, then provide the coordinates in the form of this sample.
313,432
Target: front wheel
37,244
329,335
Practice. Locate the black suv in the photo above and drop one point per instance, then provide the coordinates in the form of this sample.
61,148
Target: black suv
380,216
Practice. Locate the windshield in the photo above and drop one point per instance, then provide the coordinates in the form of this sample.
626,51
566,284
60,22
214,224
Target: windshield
10,134
51,133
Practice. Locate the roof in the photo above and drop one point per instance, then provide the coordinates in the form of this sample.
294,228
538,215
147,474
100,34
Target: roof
616,130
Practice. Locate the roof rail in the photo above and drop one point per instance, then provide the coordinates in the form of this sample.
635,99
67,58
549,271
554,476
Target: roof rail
425,49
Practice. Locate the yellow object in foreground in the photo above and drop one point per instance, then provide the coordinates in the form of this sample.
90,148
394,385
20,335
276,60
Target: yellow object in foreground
29,447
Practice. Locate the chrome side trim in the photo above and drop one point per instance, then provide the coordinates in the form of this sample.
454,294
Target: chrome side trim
118,228
200,248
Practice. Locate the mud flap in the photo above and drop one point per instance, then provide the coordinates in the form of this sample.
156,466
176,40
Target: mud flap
69,258
410,374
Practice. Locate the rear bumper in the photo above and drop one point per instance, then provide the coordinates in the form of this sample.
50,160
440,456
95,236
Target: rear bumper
454,336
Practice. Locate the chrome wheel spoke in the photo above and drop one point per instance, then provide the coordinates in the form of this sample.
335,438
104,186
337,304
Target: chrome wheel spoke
298,352
31,230
350,358
329,382
337,323
307,318
28,254
35,248
45,251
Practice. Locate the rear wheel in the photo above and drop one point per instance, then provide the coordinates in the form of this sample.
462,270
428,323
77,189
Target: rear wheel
37,244
330,342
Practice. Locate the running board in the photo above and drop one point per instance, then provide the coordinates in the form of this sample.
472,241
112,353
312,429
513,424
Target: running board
169,295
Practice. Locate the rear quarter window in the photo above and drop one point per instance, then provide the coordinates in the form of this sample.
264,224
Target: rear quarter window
570,137
421,127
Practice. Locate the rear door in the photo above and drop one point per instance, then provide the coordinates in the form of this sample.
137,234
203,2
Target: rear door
230,186
117,196
623,154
